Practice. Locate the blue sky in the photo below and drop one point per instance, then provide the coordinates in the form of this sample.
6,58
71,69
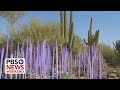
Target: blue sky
107,21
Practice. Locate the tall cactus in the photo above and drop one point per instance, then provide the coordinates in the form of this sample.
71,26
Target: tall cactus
65,24
71,30
73,41
63,18
92,38
61,23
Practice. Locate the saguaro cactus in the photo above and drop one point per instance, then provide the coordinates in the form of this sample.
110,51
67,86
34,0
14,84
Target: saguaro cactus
71,30
62,22
92,38
65,24
64,28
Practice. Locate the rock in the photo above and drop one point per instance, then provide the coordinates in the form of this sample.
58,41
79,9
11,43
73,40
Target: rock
82,77
117,77
37,77
114,71
111,78
113,75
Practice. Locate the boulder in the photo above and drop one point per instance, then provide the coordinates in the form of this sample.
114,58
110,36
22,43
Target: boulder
114,71
114,78
113,75
117,77
82,77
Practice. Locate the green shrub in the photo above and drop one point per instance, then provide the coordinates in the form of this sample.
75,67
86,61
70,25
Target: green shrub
38,31
109,55
67,75
117,49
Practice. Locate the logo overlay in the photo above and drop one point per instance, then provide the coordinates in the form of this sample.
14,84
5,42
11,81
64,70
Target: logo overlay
14,65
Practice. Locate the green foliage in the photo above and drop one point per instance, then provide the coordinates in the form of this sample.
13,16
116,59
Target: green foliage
38,31
117,49
12,16
2,39
76,43
67,75
109,55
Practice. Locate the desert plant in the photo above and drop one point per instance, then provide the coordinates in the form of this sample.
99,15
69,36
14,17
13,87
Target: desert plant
38,31
67,75
92,39
109,54
49,55
63,20
117,50
12,16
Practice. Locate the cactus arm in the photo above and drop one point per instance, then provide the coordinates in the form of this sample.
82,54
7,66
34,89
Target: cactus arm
85,42
98,34
91,21
90,32
96,38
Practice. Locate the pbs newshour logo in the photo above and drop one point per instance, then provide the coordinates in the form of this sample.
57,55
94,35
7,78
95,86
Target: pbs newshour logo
15,66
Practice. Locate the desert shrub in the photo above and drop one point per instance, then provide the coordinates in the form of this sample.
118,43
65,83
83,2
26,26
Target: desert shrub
109,55
117,49
38,31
